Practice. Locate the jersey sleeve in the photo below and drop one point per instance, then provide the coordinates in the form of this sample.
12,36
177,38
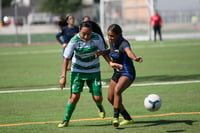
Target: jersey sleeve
69,50
58,35
125,44
101,44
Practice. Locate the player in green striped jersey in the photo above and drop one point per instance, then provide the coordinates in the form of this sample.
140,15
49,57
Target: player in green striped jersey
85,68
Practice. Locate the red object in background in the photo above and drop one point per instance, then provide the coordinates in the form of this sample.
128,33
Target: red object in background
18,22
6,21
156,20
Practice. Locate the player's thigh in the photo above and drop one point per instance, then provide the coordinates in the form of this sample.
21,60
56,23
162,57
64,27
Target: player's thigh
111,88
123,83
77,83
94,84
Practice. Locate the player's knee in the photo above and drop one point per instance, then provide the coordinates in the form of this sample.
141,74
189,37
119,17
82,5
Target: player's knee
74,98
117,92
98,99
110,99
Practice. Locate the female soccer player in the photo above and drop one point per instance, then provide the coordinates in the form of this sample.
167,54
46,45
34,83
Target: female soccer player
85,68
67,33
121,53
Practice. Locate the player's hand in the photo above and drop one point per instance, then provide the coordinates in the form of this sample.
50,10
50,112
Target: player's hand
116,66
64,45
99,53
62,82
139,59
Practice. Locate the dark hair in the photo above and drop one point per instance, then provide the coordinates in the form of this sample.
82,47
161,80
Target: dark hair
85,24
66,19
115,28
86,17
62,23
97,29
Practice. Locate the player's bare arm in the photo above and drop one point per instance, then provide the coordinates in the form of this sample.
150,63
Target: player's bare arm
132,55
112,64
64,73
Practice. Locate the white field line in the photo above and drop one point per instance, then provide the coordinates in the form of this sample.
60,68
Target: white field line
105,86
160,45
30,52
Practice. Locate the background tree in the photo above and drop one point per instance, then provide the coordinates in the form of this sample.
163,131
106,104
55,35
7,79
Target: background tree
60,6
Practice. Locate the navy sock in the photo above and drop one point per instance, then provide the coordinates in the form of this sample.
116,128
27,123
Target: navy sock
126,115
116,112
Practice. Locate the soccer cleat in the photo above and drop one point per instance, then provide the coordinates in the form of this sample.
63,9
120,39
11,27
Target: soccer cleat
63,124
115,122
102,114
126,122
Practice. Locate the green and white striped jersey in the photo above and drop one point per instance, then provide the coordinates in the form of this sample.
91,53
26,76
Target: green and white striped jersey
83,53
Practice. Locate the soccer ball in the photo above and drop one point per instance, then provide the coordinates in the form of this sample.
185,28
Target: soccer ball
152,102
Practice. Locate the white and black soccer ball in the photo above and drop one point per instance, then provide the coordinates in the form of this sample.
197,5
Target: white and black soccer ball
152,102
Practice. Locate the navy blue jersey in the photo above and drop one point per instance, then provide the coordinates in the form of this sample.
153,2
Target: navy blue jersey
67,33
118,55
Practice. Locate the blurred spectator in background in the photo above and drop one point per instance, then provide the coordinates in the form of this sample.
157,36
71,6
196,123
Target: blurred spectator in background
194,21
156,23
86,18
68,30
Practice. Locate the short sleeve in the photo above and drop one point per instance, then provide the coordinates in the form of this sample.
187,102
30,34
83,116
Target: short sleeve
125,44
69,50
101,44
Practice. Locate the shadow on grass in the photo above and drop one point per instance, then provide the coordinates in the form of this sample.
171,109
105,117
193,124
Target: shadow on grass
162,78
101,125
164,122
168,78
140,124
97,125
175,131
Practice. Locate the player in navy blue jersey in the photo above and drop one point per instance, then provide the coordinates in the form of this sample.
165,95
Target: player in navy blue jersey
121,53
66,33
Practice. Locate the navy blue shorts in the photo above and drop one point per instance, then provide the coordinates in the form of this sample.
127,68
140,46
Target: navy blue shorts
117,75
